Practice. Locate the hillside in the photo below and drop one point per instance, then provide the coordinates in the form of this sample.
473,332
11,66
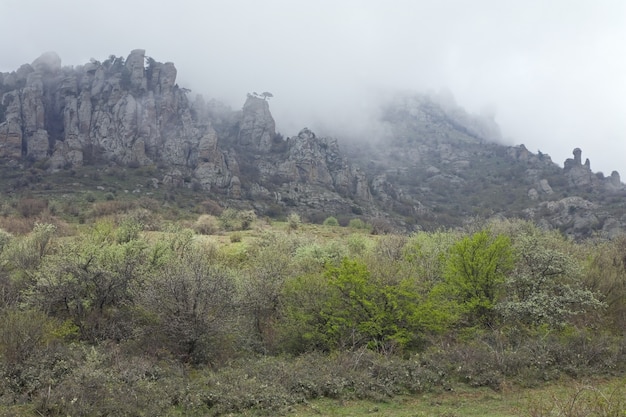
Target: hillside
436,165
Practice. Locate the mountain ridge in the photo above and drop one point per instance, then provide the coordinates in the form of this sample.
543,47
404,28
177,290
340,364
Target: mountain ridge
436,166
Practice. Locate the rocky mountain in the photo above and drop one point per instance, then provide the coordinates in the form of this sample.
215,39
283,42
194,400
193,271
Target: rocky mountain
440,165
436,165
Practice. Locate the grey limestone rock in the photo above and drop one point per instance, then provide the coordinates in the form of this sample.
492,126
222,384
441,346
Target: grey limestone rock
257,128
544,186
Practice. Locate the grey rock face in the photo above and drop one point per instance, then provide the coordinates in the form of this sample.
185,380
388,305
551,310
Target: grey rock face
131,111
120,111
257,128
318,161
544,186
11,129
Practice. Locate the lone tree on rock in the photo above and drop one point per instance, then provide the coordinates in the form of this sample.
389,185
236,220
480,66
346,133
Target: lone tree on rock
267,95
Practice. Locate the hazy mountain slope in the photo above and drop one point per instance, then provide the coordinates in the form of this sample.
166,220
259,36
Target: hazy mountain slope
435,165
438,165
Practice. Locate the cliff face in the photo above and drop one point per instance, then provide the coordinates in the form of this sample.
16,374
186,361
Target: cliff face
131,112
302,171
113,110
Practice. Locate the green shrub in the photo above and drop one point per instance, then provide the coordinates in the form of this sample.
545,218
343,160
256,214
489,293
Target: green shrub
26,252
357,224
313,256
90,197
228,219
475,273
147,219
357,244
231,219
331,221
206,225
293,221
5,238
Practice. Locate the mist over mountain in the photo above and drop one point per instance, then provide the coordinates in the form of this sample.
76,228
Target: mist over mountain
407,160
550,74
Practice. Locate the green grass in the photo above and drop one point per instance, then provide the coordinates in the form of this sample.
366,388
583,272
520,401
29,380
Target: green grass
471,402
567,398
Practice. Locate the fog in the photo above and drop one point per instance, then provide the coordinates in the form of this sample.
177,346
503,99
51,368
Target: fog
552,73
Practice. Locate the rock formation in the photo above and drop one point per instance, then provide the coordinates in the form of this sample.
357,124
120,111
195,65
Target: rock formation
433,165
119,110
131,112
581,175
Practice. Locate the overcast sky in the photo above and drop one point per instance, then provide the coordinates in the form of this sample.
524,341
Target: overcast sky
553,72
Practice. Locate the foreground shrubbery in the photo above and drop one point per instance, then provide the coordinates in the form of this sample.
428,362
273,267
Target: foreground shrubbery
113,321
114,380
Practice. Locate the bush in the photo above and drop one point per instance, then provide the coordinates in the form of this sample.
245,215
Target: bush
143,217
269,385
236,237
31,207
331,221
211,207
17,226
24,333
231,219
107,208
193,301
90,197
357,224
381,227
26,252
206,225
294,221
357,244
228,219
5,238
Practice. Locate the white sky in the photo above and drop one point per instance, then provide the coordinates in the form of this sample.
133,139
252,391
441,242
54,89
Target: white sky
552,71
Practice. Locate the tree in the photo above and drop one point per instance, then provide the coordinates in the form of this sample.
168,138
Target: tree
27,252
91,280
193,302
263,281
427,254
362,311
267,95
544,288
24,333
475,272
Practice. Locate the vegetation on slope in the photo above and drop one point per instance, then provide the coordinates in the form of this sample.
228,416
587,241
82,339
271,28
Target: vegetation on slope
131,312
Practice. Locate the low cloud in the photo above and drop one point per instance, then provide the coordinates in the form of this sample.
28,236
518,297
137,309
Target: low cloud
551,73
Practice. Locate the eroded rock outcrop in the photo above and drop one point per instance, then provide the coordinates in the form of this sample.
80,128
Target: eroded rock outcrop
131,112
257,128
123,111
580,175
434,165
